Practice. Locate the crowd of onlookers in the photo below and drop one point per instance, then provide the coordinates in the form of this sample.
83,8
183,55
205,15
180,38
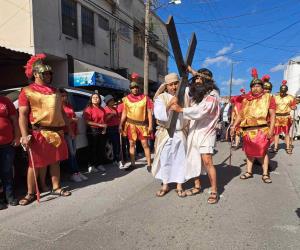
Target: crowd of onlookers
102,124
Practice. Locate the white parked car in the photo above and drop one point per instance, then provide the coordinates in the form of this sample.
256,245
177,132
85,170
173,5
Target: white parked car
78,98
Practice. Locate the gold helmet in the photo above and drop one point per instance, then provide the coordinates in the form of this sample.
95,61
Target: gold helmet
36,65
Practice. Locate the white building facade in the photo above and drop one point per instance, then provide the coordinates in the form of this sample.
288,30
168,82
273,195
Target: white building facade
105,34
292,75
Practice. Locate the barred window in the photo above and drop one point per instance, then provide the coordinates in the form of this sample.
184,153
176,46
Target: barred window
69,17
103,23
87,24
124,30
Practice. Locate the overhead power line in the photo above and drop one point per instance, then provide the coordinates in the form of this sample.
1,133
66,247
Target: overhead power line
236,16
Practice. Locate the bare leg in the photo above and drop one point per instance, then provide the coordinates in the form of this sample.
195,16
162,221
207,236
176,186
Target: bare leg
132,151
237,140
287,141
265,164
55,175
31,181
210,168
266,177
147,151
250,161
42,179
276,141
55,178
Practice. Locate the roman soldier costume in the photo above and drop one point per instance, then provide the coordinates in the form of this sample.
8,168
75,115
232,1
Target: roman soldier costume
254,120
46,116
284,104
136,125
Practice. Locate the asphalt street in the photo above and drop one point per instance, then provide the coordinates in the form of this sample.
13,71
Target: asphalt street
119,210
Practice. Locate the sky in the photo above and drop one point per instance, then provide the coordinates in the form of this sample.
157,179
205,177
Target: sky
263,34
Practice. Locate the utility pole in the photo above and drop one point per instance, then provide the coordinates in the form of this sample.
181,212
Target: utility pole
146,54
230,94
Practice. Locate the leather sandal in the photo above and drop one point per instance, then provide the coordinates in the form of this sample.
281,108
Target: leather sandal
193,191
162,192
289,151
246,176
181,193
29,198
213,198
266,178
62,192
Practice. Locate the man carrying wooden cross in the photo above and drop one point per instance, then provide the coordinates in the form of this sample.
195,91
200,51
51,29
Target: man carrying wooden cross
203,113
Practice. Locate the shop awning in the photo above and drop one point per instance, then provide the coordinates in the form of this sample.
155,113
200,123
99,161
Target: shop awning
89,75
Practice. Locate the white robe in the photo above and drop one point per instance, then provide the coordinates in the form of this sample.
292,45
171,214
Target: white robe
170,153
202,131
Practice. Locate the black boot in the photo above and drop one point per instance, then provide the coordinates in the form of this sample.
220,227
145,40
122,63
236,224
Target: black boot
2,203
11,200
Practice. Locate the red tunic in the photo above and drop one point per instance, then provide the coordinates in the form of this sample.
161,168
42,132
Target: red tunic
95,114
7,109
43,152
70,114
113,116
255,141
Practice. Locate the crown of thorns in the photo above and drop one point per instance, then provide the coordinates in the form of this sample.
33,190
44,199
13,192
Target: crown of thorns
203,75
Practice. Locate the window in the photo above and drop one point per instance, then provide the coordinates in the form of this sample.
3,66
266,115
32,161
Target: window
138,43
69,17
87,23
103,23
124,30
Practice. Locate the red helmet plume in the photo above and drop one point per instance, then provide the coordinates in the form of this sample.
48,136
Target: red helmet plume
266,78
30,63
242,90
254,73
284,82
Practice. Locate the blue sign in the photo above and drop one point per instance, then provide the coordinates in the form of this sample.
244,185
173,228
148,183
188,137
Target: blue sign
97,79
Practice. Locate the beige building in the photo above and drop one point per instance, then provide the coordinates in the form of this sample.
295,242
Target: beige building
80,36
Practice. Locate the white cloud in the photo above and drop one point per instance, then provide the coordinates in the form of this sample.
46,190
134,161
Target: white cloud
235,81
278,67
225,50
216,60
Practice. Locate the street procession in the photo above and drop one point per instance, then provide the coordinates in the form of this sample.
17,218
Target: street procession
149,124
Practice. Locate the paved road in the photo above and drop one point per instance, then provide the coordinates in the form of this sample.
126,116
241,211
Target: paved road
120,211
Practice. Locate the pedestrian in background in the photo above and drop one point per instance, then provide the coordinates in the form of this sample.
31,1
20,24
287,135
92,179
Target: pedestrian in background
113,117
76,176
9,138
95,117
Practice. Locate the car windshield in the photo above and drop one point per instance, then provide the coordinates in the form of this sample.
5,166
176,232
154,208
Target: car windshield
11,94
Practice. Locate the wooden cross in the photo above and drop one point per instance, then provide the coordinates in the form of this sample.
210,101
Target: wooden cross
181,65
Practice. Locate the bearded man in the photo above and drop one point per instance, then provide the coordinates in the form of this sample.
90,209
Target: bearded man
202,111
